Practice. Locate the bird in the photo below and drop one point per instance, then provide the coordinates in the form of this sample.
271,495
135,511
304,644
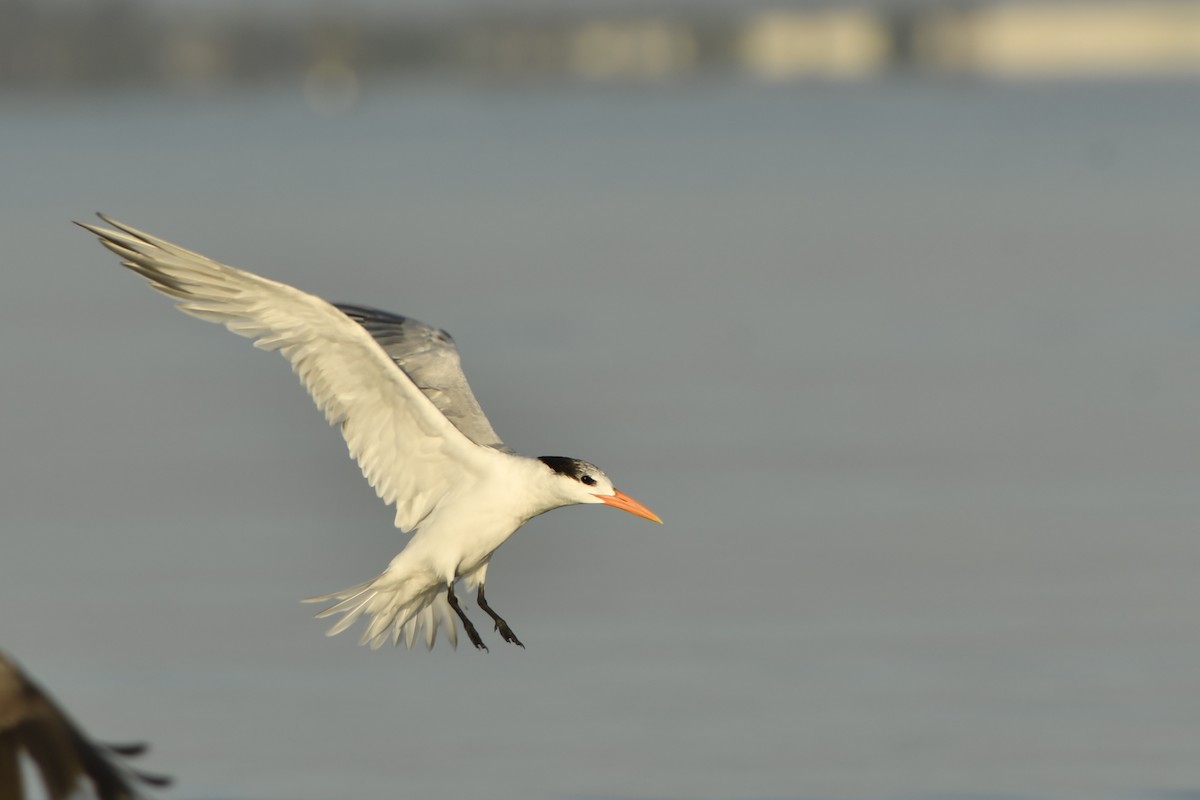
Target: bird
396,389
32,723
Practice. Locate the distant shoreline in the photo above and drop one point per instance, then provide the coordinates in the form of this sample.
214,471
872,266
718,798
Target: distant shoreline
122,43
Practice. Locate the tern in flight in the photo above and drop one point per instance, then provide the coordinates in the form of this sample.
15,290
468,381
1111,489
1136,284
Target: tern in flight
33,724
395,388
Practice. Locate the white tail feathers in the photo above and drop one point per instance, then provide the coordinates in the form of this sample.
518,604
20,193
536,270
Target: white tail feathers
401,607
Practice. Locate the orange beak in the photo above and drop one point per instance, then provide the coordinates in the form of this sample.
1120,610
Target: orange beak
626,503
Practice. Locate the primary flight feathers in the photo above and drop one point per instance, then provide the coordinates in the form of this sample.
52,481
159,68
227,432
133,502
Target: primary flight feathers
33,724
396,388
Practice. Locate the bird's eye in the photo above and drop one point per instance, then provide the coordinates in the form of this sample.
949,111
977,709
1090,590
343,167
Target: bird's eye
588,480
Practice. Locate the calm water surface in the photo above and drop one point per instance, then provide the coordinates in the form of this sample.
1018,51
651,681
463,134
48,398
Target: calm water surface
911,372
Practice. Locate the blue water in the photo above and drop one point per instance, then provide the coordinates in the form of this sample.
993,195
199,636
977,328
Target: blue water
911,371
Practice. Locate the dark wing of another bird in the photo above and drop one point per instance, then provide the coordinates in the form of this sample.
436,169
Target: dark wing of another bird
430,359
32,722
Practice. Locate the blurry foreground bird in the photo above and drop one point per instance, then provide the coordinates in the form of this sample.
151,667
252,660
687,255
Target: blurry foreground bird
395,388
31,723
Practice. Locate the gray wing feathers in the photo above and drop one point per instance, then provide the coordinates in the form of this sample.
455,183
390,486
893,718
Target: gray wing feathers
430,359
407,449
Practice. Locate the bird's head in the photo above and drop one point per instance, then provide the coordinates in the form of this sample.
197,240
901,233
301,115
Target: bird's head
581,482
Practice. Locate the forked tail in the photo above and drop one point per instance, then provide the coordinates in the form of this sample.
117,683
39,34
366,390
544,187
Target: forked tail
399,606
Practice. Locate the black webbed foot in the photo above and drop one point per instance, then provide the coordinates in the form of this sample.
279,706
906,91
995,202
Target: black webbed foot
501,625
472,634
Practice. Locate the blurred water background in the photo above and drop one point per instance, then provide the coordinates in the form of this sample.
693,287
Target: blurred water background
909,363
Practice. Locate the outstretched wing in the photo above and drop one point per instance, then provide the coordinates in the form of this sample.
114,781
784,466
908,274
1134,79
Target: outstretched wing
31,722
429,357
408,450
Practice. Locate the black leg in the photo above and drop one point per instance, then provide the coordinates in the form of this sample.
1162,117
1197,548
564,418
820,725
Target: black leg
471,632
501,625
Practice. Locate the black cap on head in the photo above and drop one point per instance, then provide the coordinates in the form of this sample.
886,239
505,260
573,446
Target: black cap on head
571,467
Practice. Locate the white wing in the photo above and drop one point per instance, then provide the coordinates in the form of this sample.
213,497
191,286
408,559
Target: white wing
407,449
430,359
